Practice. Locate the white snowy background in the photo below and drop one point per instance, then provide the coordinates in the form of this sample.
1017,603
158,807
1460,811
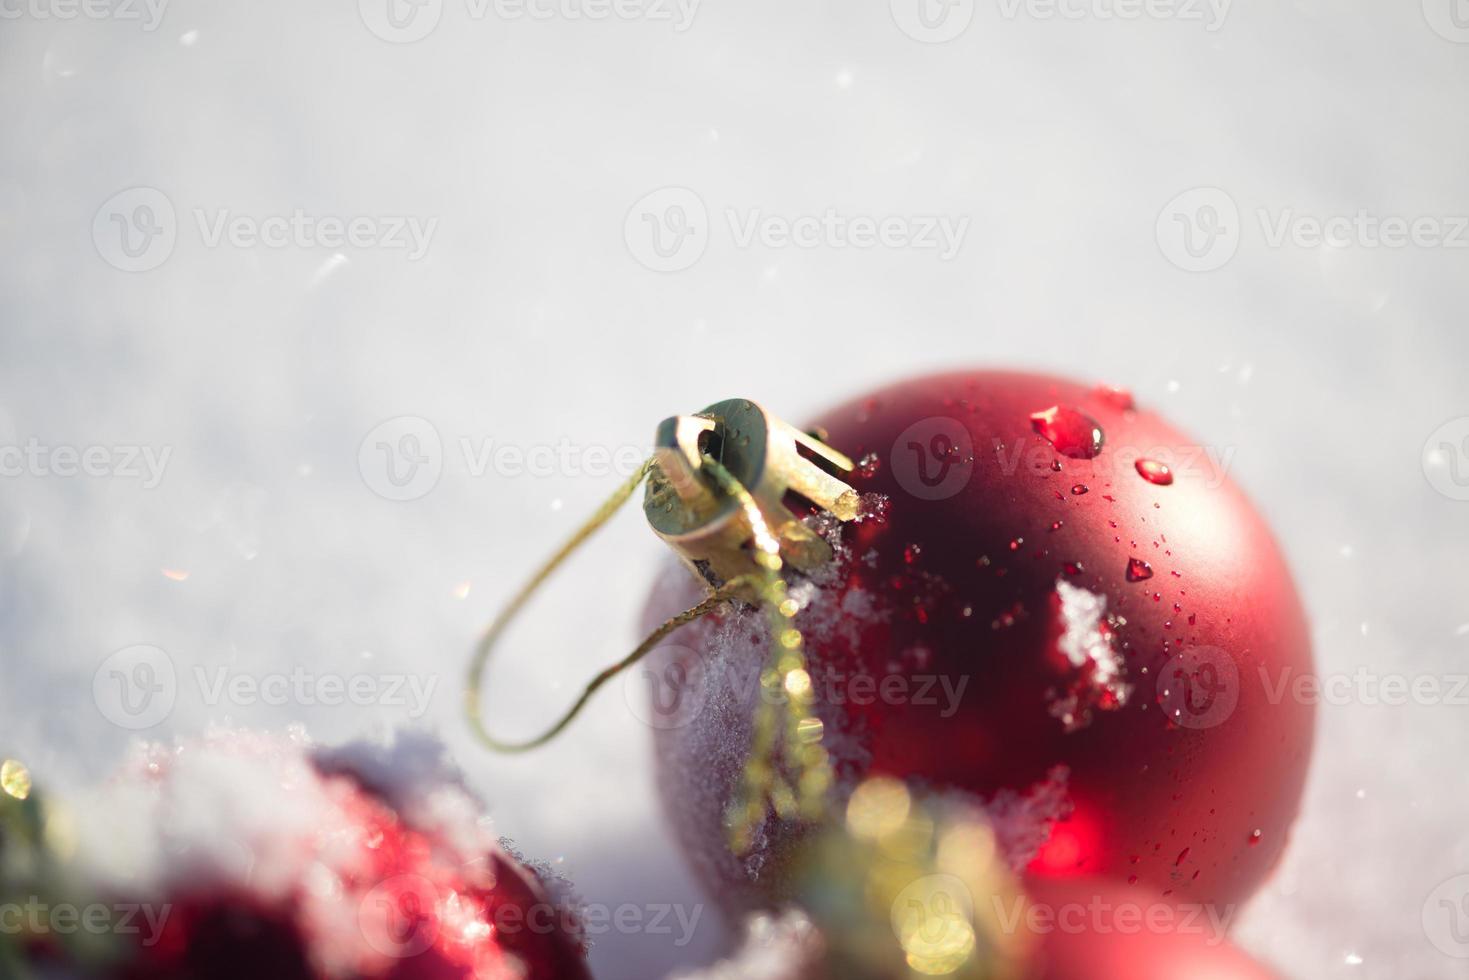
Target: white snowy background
533,320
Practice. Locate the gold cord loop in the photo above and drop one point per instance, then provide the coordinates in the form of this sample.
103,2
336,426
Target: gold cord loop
788,770
492,634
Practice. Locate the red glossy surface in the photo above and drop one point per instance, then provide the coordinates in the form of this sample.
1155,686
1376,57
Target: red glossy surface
1092,929
370,896
957,580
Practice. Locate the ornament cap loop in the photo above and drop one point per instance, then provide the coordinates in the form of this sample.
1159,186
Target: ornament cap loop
770,457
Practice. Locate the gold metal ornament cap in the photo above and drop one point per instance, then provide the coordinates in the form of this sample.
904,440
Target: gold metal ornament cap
769,457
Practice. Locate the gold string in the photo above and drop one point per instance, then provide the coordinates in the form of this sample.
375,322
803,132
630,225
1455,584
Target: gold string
784,678
512,609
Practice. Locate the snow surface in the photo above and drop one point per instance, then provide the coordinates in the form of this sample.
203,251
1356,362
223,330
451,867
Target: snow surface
1324,370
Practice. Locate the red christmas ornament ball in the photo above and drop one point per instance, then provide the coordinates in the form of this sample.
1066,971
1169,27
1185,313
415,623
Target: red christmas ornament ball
1055,602
250,856
1094,929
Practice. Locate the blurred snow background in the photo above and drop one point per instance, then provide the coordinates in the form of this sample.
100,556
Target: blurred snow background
530,321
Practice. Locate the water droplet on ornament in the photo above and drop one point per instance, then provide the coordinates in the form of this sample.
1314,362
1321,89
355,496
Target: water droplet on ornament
1255,838
1056,525
874,507
1182,856
1055,466
1073,568
869,465
1072,433
1138,570
1015,545
911,553
1118,398
1132,879
1154,472
1079,489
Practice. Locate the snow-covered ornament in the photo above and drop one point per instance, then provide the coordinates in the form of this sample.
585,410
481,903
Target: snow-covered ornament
1021,607
244,855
